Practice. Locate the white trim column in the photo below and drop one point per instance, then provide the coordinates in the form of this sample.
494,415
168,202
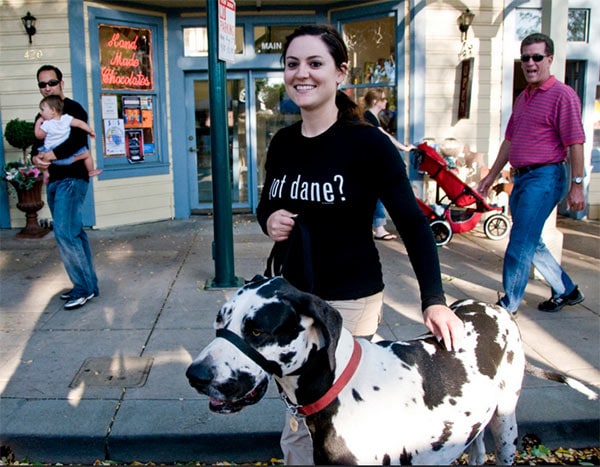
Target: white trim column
555,24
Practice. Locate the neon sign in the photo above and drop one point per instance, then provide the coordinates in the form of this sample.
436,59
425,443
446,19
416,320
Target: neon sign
125,57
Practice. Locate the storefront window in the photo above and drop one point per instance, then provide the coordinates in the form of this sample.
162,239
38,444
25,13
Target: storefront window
579,20
372,63
195,41
128,122
127,109
125,57
371,46
529,21
128,76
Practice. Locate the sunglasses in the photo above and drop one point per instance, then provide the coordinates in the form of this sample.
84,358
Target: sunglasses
51,83
536,58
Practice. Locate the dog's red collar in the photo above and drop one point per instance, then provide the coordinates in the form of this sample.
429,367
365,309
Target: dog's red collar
337,386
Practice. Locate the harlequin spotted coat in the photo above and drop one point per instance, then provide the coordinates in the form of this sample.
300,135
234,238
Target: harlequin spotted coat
409,402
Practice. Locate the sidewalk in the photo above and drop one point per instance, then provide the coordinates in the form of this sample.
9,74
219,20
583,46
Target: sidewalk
107,381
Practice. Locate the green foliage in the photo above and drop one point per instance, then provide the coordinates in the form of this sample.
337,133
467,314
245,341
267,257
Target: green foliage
19,133
540,451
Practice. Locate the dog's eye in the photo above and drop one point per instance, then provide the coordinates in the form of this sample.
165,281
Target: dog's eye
256,332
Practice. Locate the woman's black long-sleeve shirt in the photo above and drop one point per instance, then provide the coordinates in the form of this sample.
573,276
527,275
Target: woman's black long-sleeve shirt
332,181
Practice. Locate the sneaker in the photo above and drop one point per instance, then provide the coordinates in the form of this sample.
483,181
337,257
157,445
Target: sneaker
66,295
558,303
77,302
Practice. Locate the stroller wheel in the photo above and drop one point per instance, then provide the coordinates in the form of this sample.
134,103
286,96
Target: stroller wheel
442,232
496,227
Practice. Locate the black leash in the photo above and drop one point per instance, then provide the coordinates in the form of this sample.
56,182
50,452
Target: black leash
296,249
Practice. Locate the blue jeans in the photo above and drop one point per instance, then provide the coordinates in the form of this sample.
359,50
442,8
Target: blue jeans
379,219
535,194
65,200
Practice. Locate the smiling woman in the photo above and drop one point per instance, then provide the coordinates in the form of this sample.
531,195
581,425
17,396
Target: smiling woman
324,239
311,79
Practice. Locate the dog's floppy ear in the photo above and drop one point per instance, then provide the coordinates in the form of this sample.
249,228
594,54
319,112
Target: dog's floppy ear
327,319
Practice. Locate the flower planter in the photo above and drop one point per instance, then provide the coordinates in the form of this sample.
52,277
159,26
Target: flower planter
30,202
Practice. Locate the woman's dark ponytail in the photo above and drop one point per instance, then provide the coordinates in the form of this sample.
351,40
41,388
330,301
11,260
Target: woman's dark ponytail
348,110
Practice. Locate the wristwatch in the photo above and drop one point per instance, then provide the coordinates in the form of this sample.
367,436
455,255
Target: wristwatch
577,180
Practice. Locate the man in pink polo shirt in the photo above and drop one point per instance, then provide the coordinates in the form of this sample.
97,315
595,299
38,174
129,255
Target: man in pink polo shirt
544,128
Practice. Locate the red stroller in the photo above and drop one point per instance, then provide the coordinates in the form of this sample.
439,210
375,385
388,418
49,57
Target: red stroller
459,208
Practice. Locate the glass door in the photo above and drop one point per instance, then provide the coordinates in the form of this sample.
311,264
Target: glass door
199,126
253,119
272,110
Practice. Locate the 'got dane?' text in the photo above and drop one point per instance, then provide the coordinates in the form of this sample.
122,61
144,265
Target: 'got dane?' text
303,190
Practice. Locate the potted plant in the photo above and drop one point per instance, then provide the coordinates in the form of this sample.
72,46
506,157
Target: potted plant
24,177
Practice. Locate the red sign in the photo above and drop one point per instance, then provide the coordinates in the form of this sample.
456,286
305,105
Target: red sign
227,30
125,57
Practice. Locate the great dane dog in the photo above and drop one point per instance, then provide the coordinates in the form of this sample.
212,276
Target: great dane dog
409,402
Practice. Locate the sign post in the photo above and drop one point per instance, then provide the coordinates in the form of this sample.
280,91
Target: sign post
219,140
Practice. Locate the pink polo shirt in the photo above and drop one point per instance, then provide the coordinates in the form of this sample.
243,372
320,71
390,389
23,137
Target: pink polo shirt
545,121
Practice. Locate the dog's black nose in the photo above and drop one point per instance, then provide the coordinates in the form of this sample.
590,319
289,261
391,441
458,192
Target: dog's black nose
200,376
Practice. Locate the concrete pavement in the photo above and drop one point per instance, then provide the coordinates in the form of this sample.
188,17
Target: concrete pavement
107,381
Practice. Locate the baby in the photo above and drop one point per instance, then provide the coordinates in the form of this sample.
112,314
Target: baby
55,127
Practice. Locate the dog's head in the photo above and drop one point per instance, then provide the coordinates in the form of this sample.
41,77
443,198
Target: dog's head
268,327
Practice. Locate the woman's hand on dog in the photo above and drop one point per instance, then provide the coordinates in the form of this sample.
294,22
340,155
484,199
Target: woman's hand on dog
444,325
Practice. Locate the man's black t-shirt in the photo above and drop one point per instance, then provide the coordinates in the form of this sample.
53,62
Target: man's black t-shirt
77,140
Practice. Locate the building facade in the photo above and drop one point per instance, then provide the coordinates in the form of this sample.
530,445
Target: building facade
141,70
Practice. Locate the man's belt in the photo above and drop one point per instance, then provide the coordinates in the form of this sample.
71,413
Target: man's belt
528,168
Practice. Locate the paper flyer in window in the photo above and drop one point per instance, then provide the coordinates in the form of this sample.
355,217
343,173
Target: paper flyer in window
132,111
147,112
109,107
114,137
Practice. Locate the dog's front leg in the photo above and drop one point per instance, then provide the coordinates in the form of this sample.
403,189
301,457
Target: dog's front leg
477,451
504,430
